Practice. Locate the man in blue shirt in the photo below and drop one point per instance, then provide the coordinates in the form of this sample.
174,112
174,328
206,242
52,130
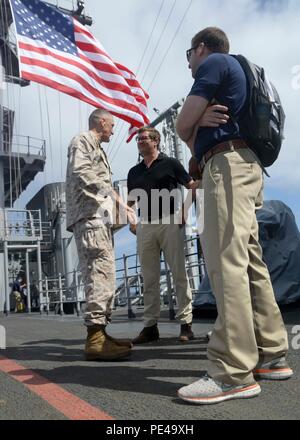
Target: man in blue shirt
249,338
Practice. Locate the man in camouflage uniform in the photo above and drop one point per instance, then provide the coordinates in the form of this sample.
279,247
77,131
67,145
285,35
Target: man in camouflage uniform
89,202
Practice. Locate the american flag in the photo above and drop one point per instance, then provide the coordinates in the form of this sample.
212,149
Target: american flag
57,51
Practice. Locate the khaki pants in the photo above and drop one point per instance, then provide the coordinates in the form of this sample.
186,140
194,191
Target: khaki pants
249,326
151,239
97,265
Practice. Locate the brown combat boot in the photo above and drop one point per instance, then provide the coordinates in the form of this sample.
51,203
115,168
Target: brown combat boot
99,346
120,342
186,333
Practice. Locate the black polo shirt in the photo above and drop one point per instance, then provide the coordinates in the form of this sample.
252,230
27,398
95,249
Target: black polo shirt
165,173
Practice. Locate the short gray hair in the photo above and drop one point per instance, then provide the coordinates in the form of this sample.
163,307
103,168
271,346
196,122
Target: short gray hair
96,115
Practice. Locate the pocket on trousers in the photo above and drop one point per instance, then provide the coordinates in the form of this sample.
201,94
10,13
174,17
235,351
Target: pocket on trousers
214,171
96,243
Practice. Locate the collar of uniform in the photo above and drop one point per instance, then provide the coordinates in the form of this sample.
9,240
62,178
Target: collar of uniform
95,138
160,157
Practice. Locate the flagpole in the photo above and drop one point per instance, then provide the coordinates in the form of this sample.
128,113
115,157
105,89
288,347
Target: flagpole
2,202
3,273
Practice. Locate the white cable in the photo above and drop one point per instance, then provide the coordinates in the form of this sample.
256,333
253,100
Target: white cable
114,141
150,37
159,39
170,45
49,131
42,128
164,57
60,135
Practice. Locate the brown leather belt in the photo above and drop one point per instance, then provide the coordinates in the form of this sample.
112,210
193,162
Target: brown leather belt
235,144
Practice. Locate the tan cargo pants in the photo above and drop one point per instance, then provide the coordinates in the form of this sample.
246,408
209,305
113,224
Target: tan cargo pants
151,239
97,265
249,326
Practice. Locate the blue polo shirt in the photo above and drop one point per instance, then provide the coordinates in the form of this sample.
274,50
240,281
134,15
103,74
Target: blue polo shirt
220,77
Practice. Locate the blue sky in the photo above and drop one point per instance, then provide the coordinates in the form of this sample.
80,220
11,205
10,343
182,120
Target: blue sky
266,31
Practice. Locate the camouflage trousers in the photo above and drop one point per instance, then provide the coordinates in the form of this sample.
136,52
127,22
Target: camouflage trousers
97,265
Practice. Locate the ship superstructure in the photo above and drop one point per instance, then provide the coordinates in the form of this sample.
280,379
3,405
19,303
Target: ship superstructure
28,237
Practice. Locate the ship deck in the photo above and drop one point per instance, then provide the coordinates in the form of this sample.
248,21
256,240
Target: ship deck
43,375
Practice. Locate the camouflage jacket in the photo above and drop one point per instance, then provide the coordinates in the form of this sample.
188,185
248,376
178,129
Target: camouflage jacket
88,180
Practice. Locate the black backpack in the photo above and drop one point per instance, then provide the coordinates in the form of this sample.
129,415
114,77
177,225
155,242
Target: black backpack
262,122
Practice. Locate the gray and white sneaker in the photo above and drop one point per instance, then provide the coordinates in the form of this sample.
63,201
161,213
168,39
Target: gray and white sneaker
208,391
277,369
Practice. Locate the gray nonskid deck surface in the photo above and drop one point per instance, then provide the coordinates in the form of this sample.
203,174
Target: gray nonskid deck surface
142,388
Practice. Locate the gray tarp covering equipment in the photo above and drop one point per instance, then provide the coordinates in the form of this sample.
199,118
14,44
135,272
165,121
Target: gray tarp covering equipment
280,241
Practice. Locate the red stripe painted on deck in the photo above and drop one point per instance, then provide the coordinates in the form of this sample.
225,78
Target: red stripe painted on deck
60,399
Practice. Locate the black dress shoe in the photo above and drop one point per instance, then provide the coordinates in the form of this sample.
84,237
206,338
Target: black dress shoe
148,334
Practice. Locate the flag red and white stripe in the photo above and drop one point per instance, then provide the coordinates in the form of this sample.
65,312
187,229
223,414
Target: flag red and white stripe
89,74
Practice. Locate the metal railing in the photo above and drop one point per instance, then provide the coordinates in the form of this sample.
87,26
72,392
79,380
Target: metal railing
19,144
57,293
47,234
20,225
130,280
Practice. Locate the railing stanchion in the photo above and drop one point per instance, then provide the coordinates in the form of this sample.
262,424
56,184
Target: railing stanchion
61,312
75,277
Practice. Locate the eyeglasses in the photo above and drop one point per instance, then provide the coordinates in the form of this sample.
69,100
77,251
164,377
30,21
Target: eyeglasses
189,53
142,138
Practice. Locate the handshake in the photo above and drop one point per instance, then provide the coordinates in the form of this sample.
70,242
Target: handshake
123,215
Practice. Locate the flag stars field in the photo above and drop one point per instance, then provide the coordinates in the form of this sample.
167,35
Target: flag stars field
72,61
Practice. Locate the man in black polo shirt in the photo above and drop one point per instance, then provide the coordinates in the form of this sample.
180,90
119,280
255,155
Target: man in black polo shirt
249,339
157,230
